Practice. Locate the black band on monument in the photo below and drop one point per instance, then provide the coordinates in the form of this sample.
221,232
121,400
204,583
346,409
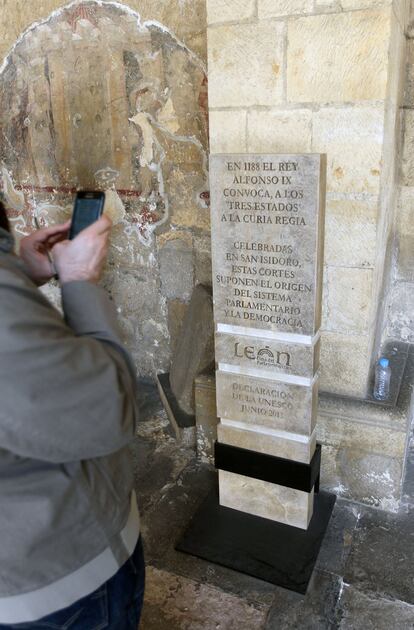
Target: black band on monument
283,472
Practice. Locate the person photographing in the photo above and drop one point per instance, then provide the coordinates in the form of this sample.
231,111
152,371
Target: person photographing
71,554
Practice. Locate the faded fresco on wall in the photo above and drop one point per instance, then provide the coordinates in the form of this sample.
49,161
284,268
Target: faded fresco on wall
94,98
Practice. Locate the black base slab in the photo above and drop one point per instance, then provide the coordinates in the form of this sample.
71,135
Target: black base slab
273,552
284,472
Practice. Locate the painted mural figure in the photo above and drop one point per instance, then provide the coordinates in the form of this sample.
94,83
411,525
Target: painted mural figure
94,98
93,89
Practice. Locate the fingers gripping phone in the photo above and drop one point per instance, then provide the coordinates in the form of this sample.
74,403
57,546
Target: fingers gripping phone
88,208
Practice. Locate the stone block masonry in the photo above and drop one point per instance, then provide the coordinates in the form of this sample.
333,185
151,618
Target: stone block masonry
323,77
326,76
267,214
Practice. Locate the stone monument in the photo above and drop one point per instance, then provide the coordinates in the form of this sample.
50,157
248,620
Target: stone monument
267,250
268,518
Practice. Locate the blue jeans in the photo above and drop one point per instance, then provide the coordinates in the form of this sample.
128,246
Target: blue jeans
116,605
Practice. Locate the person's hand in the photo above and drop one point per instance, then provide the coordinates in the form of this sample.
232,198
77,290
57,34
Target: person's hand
84,257
35,252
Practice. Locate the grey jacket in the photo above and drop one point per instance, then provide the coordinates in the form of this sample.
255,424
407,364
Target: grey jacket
67,413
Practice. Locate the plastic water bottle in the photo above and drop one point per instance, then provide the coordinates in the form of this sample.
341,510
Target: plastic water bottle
382,379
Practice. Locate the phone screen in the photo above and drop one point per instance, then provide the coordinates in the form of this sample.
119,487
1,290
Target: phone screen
88,209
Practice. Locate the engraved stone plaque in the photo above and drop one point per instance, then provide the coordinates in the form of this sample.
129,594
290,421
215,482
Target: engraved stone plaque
267,221
268,356
267,403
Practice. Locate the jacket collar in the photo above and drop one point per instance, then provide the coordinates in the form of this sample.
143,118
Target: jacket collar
6,242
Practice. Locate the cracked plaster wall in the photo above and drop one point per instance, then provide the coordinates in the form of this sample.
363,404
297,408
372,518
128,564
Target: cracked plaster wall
103,95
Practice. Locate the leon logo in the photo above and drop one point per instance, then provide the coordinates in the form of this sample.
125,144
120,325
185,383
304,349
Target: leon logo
262,356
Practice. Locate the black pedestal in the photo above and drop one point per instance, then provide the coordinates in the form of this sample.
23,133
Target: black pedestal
273,552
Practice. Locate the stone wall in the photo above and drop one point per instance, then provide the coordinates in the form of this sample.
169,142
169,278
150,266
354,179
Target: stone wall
400,303
285,76
311,75
321,76
110,96
328,76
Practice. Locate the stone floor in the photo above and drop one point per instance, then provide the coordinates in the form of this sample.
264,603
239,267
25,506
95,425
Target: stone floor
364,577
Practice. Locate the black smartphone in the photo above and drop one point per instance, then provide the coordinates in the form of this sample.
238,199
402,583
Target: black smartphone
89,205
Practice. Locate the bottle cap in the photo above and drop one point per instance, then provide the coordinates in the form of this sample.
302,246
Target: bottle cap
384,362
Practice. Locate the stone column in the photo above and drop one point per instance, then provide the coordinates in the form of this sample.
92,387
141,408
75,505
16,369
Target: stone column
267,247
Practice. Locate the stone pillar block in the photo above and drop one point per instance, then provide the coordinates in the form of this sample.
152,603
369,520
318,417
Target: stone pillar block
338,42
268,500
286,130
206,416
276,443
238,77
277,405
227,131
267,222
226,10
267,356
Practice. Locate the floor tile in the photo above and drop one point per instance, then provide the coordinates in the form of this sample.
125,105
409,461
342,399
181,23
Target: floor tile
176,603
360,611
314,611
381,559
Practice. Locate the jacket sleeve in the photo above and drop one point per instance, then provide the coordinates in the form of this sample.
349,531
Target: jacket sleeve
68,389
